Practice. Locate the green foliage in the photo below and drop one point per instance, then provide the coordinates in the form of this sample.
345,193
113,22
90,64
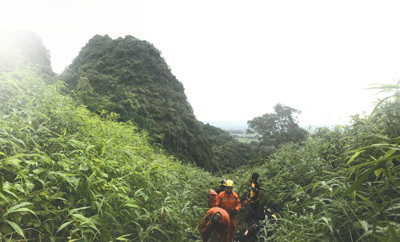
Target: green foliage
129,77
229,153
274,129
67,174
341,184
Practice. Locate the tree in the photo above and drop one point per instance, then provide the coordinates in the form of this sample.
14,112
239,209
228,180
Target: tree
276,128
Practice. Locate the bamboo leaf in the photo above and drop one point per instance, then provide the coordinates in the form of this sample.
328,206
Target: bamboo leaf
389,153
4,197
364,225
13,83
123,237
328,223
22,210
394,234
72,211
381,136
315,185
358,183
16,228
16,207
354,156
64,225
378,172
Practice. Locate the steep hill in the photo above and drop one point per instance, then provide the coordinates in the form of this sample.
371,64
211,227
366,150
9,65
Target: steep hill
129,77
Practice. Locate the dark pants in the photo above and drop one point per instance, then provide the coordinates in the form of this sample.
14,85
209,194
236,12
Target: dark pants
255,213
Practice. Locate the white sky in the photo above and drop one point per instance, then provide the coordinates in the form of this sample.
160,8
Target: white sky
237,59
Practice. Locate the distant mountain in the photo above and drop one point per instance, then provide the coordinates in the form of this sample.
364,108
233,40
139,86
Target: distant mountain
129,77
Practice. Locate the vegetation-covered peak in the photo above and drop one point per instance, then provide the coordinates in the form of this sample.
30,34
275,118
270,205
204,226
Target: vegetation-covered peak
129,77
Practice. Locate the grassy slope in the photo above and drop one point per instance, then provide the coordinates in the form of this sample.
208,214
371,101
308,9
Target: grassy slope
68,173
338,185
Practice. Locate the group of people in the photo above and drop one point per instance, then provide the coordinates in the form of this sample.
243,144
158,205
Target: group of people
225,206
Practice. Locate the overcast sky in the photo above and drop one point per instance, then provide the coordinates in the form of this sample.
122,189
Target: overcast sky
237,59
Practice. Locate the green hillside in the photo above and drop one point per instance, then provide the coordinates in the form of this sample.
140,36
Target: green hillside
129,77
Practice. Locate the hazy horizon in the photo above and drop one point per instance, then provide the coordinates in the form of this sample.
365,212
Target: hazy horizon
238,59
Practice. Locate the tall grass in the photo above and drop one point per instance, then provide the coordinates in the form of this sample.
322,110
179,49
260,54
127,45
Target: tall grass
67,174
338,185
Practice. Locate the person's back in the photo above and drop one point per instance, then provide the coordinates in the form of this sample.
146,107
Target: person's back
216,219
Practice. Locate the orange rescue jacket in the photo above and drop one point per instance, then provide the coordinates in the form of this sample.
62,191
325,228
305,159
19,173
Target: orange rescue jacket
213,199
222,229
229,202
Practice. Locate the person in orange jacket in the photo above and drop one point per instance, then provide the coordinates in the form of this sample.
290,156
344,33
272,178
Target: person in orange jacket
229,201
216,219
213,199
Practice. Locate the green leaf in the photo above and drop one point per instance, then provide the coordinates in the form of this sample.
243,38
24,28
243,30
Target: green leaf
394,234
16,228
315,185
64,225
14,84
389,153
16,207
4,197
11,193
354,156
72,211
123,237
364,225
378,172
328,222
382,136
22,210
358,183
365,199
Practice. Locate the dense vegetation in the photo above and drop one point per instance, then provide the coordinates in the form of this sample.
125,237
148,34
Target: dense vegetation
75,172
68,173
228,151
341,184
129,77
